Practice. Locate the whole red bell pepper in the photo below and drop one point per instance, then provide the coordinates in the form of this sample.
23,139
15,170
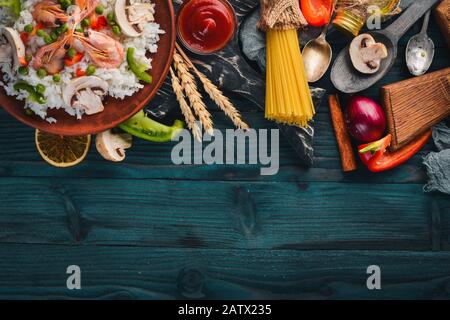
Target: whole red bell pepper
378,158
317,12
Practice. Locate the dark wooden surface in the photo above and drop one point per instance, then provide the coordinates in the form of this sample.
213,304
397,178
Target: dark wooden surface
147,229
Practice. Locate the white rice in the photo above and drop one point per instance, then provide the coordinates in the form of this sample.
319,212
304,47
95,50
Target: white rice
122,81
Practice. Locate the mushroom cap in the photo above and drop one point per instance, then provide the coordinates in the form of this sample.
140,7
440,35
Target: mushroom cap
88,92
17,46
366,54
112,146
120,10
81,83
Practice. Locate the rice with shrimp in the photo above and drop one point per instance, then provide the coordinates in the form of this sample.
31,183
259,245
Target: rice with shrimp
121,80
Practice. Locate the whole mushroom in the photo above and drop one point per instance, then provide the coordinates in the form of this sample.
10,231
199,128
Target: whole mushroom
86,93
132,16
366,54
112,146
11,44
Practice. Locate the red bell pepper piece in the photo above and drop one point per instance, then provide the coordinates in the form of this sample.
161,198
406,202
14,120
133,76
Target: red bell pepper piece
317,12
378,158
23,62
98,22
94,21
101,22
71,61
24,37
80,73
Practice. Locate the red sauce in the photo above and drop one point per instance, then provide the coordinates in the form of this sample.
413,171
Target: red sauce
206,26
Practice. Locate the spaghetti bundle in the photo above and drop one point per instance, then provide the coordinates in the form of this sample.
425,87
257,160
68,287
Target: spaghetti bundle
288,98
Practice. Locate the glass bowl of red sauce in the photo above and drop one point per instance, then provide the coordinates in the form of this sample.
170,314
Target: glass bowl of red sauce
206,26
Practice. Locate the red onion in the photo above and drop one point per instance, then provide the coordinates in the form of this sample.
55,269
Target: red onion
366,120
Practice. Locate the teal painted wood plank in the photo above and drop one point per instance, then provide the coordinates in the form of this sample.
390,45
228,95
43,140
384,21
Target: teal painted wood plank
38,272
147,160
132,227
207,214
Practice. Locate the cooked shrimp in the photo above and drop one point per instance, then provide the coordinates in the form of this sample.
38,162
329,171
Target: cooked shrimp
51,57
87,7
104,51
49,12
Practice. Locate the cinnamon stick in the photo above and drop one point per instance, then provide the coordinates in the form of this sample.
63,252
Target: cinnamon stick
343,138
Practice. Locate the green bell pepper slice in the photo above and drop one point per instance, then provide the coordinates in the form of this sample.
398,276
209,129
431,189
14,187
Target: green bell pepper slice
33,94
137,67
148,129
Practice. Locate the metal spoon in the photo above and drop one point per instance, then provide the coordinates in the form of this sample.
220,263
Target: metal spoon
317,54
420,50
344,76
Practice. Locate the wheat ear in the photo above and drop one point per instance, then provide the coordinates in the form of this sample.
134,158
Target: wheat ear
190,89
215,94
223,102
185,109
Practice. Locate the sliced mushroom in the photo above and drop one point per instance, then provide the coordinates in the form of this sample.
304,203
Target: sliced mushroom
132,17
5,50
13,45
86,93
366,54
112,146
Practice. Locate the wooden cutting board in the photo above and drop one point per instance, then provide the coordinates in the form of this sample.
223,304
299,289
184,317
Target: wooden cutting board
415,105
442,14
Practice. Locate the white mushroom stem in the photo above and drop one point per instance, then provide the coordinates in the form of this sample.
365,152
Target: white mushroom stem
112,146
5,52
376,51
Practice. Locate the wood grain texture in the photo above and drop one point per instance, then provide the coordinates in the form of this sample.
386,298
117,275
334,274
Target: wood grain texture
143,273
415,105
442,15
147,229
207,214
146,160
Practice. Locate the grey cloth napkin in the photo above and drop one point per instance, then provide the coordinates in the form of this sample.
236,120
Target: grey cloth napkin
438,163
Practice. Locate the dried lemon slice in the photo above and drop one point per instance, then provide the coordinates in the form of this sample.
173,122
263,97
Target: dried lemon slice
62,151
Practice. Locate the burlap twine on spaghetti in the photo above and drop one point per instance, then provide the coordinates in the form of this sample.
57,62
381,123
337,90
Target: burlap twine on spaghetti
281,15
